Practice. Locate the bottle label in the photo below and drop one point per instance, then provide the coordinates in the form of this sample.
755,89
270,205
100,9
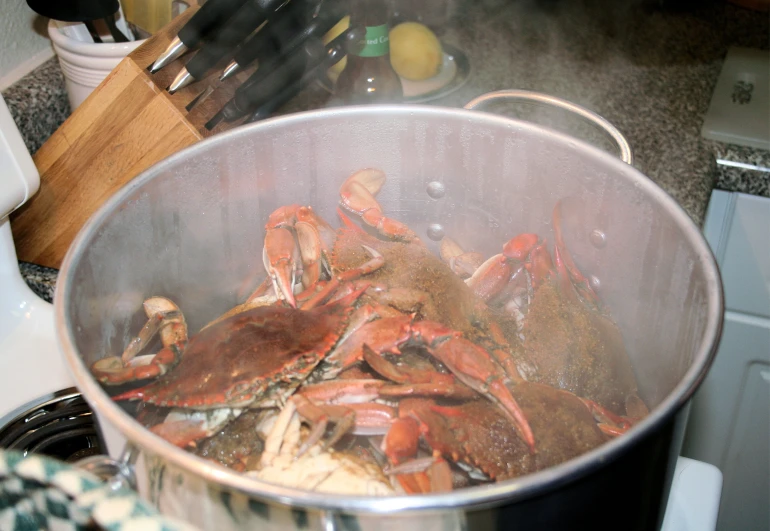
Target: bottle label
377,42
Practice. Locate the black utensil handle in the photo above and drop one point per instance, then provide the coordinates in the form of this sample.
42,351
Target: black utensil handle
74,10
249,96
209,17
89,24
117,35
335,51
225,40
288,20
282,39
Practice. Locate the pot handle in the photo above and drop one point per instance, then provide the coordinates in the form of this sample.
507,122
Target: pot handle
115,472
537,97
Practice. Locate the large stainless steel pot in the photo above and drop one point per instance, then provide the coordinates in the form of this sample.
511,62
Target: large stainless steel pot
191,227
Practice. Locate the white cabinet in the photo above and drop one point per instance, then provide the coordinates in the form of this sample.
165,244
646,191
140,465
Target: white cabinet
729,423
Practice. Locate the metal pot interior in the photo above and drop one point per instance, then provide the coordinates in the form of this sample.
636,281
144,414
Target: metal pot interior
191,228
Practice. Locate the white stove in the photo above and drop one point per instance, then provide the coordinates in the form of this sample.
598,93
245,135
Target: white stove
34,381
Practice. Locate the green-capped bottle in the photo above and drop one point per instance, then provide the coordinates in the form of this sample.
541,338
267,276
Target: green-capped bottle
369,76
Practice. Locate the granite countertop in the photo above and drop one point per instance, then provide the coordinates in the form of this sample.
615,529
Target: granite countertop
650,70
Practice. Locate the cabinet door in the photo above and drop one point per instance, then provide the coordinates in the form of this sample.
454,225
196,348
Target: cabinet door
729,423
740,238
747,460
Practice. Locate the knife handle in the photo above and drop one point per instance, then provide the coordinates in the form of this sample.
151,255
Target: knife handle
271,56
284,32
247,19
251,95
210,16
225,39
335,51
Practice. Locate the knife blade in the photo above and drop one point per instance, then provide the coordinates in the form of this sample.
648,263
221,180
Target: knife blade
247,19
281,35
350,40
208,18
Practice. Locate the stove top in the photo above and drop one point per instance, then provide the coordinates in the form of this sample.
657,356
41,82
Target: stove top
60,426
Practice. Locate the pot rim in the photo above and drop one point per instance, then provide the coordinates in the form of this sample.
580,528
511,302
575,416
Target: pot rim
513,490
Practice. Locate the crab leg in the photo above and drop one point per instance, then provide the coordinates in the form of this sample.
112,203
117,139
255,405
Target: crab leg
275,438
343,391
165,318
469,363
519,247
493,276
344,404
319,416
416,476
424,475
540,266
315,238
462,263
385,334
357,196
473,366
374,264
416,382
265,300
183,427
610,423
260,290
562,254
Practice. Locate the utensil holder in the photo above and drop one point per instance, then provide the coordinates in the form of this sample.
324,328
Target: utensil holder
86,64
128,123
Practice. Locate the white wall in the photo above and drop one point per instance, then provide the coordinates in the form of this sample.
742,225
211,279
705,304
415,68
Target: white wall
24,42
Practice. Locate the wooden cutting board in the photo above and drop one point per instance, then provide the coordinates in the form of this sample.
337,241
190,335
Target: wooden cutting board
125,126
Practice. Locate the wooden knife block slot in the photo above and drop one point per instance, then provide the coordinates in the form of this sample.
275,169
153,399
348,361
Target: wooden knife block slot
125,126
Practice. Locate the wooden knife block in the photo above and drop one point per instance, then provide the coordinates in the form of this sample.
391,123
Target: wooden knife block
126,125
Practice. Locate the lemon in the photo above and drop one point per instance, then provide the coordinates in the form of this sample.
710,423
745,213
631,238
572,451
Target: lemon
335,71
415,51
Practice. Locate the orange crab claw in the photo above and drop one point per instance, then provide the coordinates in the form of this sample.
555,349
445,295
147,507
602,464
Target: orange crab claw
520,246
357,197
280,255
163,318
607,421
540,266
564,258
462,263
491,277
383,335
473,366
180,433
415,382
402,440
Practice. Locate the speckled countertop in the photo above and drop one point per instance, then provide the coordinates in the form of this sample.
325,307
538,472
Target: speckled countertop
648,69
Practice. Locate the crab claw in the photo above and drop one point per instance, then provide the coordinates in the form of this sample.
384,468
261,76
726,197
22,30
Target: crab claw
400,445
565,261
540,266
520,246
473,366
163,318
183,427
280,257
462,263
491,277
315,238
357,196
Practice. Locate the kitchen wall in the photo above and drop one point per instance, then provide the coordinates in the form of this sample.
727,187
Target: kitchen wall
24,43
